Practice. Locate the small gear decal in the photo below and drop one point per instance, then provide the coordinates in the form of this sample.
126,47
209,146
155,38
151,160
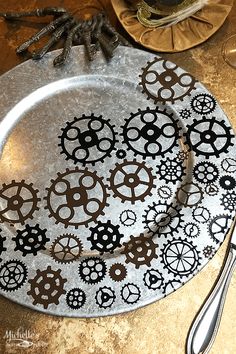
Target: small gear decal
227,182
66,248
163,82
75,298
130,293
180,257
209,252
182,156
153,279
140,250
209,137
201,214
118,272
218,227
189,195
88,139
203,103
105,237
47,287
30,240
13,275
162,219
151,132
185,113
76,197
19,201
171,171
131,181
191,230
205,172
228,201
164,192
92,270
128,217
2,248
212,189
105,297
229,165
121,154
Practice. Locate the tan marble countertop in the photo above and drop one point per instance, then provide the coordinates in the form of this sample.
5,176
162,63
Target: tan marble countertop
160,328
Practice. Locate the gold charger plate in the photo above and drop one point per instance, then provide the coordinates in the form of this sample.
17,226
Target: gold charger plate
184,35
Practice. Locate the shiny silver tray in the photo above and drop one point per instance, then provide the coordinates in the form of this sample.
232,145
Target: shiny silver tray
117,182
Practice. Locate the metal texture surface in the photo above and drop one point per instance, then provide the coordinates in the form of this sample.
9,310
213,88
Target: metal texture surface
129,184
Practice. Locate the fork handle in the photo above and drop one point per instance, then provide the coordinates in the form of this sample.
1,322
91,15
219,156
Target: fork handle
205,326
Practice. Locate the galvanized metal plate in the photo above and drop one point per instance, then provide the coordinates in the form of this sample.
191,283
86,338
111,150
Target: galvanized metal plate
117,182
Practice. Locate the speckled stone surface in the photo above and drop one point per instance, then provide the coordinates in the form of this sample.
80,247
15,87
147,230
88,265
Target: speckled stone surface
158,328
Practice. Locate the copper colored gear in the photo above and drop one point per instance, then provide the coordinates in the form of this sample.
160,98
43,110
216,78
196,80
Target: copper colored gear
140,250
15,206
76,197
66,248
165,84
47,287
117,272
131,180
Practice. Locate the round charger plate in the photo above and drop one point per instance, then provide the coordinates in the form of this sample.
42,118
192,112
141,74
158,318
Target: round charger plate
117,182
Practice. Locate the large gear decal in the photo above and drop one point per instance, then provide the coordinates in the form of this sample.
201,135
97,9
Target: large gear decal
130,293
88,139
47,287
205,172
2,248
153,279
208,137
140,250
180,257
92,270
162,219
171,171
105,237
66,248
76,197
18,202
151,132
203,103
165,84
218,227
105,297
189,195
13,275
131,181
75,298
30,240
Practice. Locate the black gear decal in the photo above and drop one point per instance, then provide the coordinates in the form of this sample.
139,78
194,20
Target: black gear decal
75,298
229,165
76,197
105,297
212,189
191,230
153,279
201,214
182,155
47,287
18,202
189,195
165,84
218,227
92,270
88,139
205,172
2,248
151,132
180,257
130,293
105,237
128,217
164,192
163,219
227,182
203,103
30,240
131,181
228,201
121,154
13,275
66,248
171,286
140,250
208,137
185,113
208,252
118,272
171,171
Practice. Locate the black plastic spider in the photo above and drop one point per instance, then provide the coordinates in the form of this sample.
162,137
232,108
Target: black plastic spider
95,33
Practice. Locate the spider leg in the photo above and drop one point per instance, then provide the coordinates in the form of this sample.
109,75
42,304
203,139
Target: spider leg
61,58
38,13
87,29
116,36
49,28
56,35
